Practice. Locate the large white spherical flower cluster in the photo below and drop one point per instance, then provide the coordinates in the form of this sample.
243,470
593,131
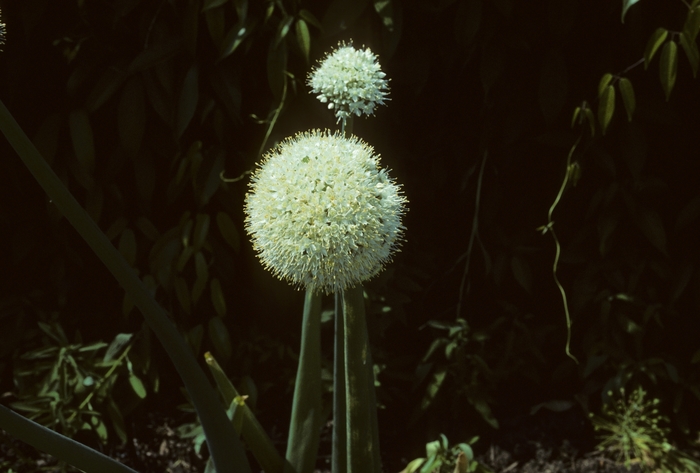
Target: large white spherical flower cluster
350,81
322,214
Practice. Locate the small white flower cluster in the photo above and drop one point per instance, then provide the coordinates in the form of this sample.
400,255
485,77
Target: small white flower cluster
322,214
350,81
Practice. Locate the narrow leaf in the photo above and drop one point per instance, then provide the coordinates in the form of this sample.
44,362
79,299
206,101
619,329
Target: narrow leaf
217,297
218,334
303,38
692,24
628,99
606,108
228,230
188,100
208,4
655,41
668,66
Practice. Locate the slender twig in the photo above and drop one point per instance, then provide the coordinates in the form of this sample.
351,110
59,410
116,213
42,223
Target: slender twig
550,228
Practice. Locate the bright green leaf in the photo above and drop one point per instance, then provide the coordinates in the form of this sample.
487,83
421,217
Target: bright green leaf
628,99
604,82
655,41
606,108
137,385
668,66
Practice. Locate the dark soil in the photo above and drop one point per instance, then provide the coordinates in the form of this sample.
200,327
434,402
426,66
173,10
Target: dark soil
547,442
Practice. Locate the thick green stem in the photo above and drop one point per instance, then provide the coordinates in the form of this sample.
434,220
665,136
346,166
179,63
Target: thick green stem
339,462
361,418
224,446
307,412
58,445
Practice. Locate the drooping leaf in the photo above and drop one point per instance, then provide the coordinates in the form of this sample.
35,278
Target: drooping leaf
202,271
276,67
283,29
234,37
626,4
309,17
228,230
201,229
105,87
219,336
652,226
606,108
303,38
628,98
655,41
668,66
691,52
183,294
188,100
692,24
137,385
217,297
155,54
604,82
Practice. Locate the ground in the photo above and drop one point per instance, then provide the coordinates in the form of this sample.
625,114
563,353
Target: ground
544,443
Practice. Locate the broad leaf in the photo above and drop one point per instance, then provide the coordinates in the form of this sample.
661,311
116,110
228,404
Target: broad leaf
691,51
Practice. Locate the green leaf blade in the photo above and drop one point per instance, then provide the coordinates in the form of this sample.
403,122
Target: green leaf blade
655,41
628,98
668,66
606,108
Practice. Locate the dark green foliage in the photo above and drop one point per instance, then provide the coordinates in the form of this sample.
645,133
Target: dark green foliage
141,106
